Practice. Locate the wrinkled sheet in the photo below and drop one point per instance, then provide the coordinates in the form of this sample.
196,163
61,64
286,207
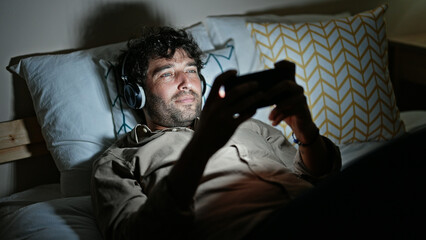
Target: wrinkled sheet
41,213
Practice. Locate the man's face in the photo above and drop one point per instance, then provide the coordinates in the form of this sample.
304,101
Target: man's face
173,92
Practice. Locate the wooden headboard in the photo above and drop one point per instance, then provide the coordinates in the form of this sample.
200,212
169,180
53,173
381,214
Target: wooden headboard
20,139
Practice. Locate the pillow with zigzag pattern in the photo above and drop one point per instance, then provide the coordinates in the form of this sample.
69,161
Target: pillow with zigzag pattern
342,65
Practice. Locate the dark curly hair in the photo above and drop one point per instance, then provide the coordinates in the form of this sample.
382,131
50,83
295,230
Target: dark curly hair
157,42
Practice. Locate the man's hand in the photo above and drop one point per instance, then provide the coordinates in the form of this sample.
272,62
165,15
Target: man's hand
224,112
291,107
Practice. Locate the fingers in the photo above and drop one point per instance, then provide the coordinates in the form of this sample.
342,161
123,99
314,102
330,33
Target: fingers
236,105
245,115
215,95
290,101
233,98
276,117
221,79
284,90
239,103
236,93
239,109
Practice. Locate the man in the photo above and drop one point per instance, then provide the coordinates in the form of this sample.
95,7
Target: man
210,174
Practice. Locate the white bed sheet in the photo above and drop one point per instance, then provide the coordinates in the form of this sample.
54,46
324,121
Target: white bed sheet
413,121
41,212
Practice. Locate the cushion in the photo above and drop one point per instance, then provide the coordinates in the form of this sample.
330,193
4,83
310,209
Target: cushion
200,35
73,107
343,66
224,28
124,118
215,62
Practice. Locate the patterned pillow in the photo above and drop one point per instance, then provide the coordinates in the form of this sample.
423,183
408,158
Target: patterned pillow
124,118
342,65
222,28
216,62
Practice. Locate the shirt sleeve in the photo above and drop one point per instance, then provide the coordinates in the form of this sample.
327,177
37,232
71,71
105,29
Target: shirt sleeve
282,148
124,211
333,153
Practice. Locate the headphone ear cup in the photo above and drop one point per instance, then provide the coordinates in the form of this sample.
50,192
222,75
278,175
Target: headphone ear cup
134,95
203,84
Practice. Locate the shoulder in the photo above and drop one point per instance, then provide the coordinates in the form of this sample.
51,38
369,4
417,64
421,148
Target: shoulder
120,151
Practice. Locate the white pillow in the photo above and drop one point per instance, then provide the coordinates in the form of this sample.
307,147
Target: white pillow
221,29
200,35
73,106
125,119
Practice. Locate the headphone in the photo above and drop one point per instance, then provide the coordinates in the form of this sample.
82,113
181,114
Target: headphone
134,94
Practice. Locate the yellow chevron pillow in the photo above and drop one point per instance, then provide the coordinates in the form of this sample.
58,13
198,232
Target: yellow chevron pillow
342,65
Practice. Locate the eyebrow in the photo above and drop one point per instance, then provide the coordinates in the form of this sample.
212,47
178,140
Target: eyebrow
161,68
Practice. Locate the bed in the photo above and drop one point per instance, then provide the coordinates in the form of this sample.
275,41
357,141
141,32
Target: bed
80,112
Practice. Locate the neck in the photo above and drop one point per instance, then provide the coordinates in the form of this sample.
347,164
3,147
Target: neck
154,127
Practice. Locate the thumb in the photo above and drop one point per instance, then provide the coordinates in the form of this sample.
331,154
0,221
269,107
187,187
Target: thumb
221,80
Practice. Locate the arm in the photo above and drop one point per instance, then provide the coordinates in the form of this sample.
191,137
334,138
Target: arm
216,126
283,149
123,209
292,108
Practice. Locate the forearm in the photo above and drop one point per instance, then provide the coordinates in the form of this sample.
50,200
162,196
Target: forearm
123,211
186,173
316,158
160,212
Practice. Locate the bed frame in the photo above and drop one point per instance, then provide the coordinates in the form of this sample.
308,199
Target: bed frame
21,139
22,146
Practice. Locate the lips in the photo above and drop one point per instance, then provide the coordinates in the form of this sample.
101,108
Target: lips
185,99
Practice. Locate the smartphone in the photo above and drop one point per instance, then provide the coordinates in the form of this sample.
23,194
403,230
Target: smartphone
266,79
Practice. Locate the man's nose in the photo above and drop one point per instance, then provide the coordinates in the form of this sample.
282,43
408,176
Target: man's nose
184,81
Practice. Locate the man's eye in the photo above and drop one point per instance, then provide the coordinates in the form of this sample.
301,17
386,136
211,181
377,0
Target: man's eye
166,75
